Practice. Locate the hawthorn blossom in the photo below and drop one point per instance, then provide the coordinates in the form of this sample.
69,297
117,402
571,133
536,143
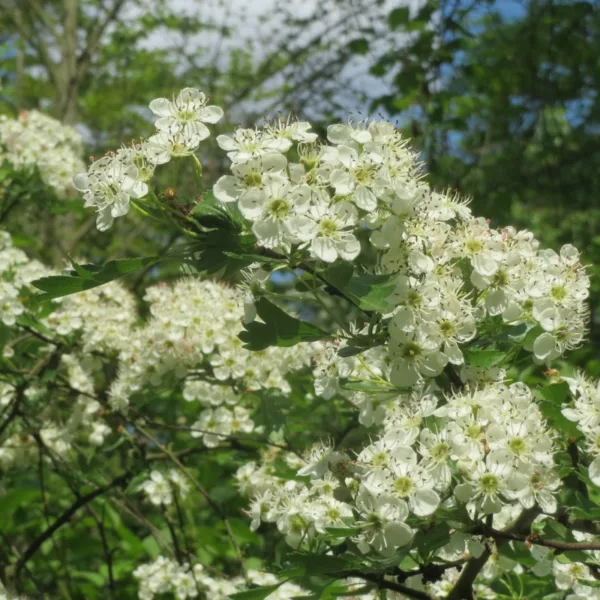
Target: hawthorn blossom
187,113
108,186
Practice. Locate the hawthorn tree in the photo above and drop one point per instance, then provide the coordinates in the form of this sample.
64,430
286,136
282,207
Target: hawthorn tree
344,385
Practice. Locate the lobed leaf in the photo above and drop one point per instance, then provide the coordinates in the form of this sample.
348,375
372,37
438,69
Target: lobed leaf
86,277
278,329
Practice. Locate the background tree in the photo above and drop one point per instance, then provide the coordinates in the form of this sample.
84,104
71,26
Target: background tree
502,98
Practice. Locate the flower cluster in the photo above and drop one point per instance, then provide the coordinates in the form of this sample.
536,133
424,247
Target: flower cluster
452,272
444,305
450,275
165,576
17,271
585,412
186,339
489,449
184,345
114,180
34,140
160,489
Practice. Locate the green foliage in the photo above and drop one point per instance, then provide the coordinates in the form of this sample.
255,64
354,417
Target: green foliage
277,329
368,292
495,112
85,277
255,594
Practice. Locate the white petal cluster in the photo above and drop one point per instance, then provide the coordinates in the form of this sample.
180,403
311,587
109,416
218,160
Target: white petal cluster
168,579
187,113
17,271
108,186
159,489
111,182
185,345
34,140
454,273
488,448
186,339
585,412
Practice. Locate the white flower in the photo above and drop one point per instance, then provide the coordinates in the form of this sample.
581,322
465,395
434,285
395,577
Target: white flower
404,481
248,177
332,240
414,355
99,433
250,143
278,213
108,186
437,450
157,489
165,144
488,482
358,178
382,523
187,112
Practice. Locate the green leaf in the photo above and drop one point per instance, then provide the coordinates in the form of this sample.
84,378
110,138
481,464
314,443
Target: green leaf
432,539
342,532
256,594
553,398
88,276
518,552
226,253
368,292
209,213
556,393
399,16
484,359
347,351
242,532
15,499
278,329
359,46
319,564
80,270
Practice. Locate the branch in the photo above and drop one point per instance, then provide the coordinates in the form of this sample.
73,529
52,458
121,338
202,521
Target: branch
94,37
66,516
105,548
153,456
534,539
200,488
463,589
14,411
384,584
453,376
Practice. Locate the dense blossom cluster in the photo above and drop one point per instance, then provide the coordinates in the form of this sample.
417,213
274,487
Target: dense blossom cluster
186,341
114,180
585,412
183,344
489,449
17,271
452,272
165,576
37,140
77,368
444,305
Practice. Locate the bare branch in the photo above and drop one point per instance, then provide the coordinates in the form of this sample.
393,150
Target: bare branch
66,517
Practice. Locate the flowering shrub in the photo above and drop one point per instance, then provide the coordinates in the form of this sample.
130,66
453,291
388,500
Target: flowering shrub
36,141
392,426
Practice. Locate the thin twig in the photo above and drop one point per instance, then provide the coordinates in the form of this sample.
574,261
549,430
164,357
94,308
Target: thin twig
200,488
384,584
66,516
